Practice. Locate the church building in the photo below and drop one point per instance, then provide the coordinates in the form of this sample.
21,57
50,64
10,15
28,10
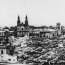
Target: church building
22,28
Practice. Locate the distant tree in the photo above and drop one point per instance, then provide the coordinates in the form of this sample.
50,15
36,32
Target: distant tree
10,49
14,29
6,33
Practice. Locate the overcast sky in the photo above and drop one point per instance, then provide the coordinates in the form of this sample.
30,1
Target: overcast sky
40,12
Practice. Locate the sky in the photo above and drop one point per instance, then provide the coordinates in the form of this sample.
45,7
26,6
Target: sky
39,12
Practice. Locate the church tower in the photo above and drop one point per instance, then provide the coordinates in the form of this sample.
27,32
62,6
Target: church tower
26,21
18,21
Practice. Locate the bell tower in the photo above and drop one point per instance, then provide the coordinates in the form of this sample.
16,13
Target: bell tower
26,21
18,21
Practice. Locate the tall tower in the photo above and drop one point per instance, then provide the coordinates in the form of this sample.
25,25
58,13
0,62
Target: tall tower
26,21
18,21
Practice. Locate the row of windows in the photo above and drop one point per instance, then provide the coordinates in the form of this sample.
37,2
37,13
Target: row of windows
21,29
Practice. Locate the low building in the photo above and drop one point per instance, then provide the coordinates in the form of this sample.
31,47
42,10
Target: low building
2,49
48,33
33,35
12,59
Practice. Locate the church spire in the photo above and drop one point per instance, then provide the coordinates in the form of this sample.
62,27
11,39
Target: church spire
18,21
18,17
26,21
26,17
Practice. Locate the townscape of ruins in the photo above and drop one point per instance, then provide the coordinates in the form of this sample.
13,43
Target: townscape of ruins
28,44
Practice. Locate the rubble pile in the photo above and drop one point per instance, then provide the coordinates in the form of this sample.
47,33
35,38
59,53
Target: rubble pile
36,51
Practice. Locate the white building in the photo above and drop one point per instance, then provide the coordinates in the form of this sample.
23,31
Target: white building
49,33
